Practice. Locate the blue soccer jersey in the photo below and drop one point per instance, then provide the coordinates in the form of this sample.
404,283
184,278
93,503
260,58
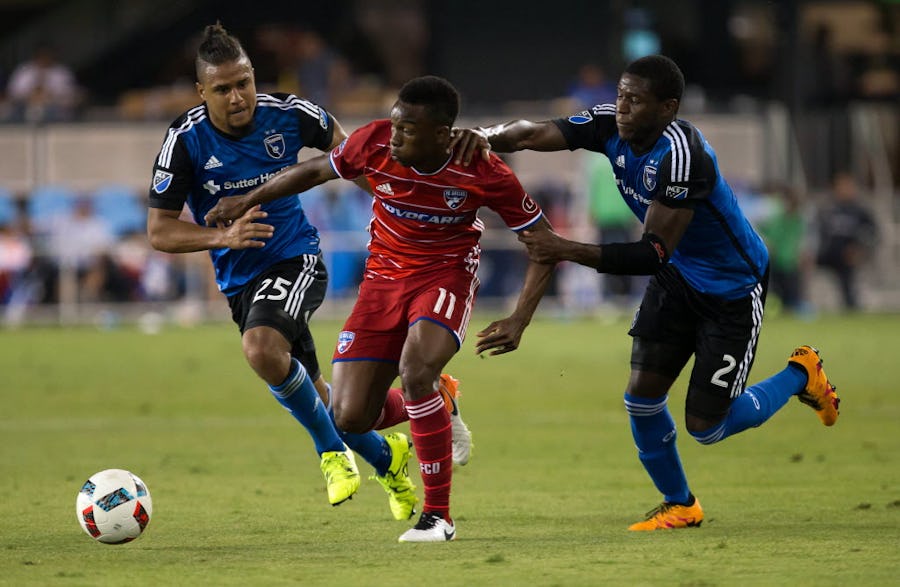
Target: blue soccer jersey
199,164
720,253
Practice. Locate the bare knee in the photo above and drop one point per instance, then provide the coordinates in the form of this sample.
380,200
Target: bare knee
350,420
269,362
696,425
418,380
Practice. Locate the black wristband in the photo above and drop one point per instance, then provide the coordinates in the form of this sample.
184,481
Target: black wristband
644,257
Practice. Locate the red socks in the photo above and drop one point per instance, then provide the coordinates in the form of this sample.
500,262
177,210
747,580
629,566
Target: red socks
394,410
429,423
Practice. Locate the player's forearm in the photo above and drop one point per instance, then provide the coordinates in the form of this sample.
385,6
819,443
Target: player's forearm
171,235
537,278
584,254
509,136
293,180
290,181
644,257
519,135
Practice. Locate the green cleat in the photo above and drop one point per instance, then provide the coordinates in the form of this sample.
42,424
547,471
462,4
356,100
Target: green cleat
341,475
400,489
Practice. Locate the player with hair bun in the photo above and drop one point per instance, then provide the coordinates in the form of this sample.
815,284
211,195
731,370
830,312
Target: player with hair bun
267,261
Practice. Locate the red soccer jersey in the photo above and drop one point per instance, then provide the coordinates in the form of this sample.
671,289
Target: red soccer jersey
423,220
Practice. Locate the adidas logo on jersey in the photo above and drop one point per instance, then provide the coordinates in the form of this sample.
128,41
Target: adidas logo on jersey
620,161
385,188
212,163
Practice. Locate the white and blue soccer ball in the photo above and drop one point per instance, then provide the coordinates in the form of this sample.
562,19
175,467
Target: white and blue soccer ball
114,506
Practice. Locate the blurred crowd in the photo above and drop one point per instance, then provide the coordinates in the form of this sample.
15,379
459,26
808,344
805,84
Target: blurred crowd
841,52
60,246
289,57
56,244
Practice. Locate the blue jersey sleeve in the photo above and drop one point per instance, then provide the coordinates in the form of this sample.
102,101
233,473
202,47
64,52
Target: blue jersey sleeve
687,172
173,171
315,125
589,129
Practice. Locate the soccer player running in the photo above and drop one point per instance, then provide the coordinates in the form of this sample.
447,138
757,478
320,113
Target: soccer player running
709,275
267,262
420,280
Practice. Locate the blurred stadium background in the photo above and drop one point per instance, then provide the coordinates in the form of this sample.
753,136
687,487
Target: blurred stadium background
790,95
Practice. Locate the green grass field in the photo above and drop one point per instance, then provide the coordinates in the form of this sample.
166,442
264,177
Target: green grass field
552,485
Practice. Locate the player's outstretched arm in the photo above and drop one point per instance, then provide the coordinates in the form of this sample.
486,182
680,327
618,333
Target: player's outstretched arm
663,229
504,335
517,135
293,180
166,232
549,247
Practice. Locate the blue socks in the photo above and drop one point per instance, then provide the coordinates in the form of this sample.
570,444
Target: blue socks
654,434
371,446
298,394
756,405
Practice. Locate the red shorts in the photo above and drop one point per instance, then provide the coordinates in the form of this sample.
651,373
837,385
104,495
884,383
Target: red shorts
385,309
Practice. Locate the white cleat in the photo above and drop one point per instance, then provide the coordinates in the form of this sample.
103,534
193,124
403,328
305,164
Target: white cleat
431,527
462,436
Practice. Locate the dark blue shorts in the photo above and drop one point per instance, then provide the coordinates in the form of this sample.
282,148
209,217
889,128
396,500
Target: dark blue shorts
675,321
284,297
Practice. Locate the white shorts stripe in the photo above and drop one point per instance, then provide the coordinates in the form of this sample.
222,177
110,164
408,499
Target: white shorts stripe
740,378
301,285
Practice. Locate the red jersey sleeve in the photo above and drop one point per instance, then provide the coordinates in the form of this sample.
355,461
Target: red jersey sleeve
505,195
349,159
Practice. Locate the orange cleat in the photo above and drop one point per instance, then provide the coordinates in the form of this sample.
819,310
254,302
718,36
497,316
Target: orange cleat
819,393
669,516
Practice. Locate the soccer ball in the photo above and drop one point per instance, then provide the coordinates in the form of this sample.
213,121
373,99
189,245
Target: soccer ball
114,506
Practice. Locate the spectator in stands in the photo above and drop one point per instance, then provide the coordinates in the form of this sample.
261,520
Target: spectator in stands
398,33
342,213
15,258
84,243
42,90
321,73
847,237
786,235
591,87
614,223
